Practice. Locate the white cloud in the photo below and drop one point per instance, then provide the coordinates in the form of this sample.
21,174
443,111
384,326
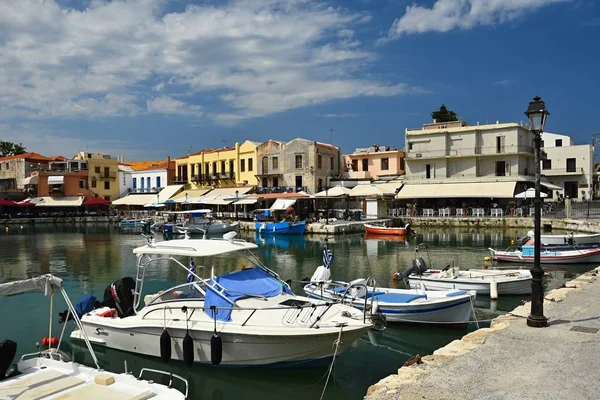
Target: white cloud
446,15
338,115
168,105
255,57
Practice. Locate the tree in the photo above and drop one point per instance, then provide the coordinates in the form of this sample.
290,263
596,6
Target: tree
11,149
444,115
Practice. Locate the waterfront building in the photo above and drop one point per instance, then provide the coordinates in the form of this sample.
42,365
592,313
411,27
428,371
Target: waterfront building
295,166
373,163
568,166
456,160
63,179
218,168
146,176
103,172
15,174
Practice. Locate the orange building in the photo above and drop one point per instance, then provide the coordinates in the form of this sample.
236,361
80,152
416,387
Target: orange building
64,179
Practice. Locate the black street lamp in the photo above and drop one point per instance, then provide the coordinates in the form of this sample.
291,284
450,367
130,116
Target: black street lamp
537,114
237,192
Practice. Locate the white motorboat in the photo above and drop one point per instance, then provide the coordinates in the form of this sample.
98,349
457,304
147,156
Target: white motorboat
248,317
448,307
569,239
548,255
50,375
508,281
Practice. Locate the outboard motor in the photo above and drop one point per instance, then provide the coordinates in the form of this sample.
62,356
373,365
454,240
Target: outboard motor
8,350
119,295
418,268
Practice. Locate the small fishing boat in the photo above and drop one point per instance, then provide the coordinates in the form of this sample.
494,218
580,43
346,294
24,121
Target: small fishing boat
569,239
548,255
280,228
248,317
418,306
384,230
483,281
49,374
202,222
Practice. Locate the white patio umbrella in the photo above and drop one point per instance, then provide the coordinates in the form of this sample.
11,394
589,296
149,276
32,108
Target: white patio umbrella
529,194
337,191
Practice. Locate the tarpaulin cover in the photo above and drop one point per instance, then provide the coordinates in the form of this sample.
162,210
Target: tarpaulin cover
251,281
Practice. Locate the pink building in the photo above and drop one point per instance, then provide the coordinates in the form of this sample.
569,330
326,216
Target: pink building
372,163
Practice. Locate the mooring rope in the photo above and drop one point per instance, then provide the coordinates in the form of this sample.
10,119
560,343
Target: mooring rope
473,311
336,343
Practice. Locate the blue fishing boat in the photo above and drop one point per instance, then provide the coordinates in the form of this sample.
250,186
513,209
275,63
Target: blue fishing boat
280,228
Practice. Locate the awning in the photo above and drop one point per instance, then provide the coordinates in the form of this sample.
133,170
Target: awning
135,200
552,186
188,195
56,180
282,204
168,192
457,190
222,196
31,180
337,191
60,201
247,200
382,189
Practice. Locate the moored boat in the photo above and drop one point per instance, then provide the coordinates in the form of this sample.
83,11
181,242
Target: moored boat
49,374
548,255
248,317
282,228
569,239
506,282
385,230
417,306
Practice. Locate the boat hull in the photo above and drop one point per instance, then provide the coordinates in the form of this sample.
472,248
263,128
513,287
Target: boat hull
455,311
582,256
579,240
216,228
481,286
280,228
382,230
239,350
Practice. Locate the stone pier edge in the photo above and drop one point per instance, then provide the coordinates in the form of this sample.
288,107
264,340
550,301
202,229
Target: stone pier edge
409,375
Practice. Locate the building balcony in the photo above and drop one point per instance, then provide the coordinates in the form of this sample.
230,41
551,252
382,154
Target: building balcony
111,176
357,175
145,190
61,171
563,171
469,177
469,152
180,180
280,189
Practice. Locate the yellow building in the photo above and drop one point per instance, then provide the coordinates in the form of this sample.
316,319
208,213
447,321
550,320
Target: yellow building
214,168
103,172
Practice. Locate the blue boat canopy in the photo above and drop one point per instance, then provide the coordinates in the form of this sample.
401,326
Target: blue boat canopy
239,285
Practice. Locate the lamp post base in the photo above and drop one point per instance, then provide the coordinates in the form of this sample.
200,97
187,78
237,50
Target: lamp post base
537,321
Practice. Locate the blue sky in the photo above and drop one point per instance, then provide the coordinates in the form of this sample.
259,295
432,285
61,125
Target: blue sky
151,78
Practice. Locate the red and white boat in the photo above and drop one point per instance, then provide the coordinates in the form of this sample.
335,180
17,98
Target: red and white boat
548,255
384,230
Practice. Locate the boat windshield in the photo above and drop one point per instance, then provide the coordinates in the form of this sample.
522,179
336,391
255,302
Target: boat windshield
188,291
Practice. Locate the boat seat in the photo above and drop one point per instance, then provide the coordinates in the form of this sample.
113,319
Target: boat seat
39,387
398,297
100,392
32,379
457,293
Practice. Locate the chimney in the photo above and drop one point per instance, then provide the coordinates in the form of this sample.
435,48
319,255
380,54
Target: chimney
434,121
497,122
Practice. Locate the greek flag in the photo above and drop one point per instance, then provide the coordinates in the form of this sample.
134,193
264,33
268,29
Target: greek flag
192,269
327,257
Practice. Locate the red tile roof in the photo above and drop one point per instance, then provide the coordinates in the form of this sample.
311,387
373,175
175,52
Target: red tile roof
28,156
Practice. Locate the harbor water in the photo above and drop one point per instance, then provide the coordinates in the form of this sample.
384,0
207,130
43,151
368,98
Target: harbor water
89,257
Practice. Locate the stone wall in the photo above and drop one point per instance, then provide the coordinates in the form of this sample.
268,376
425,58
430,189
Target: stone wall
12,173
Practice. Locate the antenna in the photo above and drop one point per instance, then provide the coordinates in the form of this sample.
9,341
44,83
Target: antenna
331,130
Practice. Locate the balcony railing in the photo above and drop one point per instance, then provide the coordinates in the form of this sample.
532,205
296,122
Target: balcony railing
491,177
562,171
109,176
357,175
145,190
180,180
281,189
469,151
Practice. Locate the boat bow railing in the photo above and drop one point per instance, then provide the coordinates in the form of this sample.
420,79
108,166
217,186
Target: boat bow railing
169,374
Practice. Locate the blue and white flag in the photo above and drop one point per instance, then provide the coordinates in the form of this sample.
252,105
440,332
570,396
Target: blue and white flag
327,257
192,269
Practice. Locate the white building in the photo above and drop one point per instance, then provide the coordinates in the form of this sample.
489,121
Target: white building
145,176
452,159
569,166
